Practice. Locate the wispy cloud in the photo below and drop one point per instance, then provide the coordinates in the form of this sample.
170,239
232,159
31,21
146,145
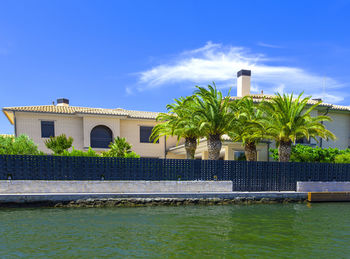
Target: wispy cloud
129,91
266,45
219,63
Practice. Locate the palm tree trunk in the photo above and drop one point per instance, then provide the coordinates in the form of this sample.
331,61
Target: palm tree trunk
214,147
190,146
284,151
250,151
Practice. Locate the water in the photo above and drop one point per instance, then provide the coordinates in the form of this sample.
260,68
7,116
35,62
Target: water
247,231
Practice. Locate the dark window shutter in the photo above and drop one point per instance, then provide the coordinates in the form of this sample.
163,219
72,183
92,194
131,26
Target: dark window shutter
145,133
100,137
47,129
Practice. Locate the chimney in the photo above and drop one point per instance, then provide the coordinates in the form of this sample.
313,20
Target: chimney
243,83
62,102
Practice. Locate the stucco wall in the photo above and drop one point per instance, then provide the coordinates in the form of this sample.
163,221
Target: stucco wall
340,126
232,147
175,156
130,129
30,124
80,128
89,122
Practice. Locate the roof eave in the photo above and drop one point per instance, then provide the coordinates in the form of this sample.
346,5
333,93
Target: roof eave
9,117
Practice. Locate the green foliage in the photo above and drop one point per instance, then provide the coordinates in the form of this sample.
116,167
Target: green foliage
248,127
215,112
302,153
59,144
21,145
289,119
120,148
343,158
241,157
179,121
76,152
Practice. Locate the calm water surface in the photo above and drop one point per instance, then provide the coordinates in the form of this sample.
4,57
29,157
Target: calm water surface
264,231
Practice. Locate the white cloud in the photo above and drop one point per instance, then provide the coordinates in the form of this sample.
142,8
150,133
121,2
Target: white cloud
218,63
280,89
129,91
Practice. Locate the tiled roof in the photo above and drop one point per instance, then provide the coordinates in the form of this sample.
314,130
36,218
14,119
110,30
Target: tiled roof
83,110
140,114
260,97
7,135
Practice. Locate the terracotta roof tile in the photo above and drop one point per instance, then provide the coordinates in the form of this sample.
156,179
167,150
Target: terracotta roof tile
83,110
260,97
7,135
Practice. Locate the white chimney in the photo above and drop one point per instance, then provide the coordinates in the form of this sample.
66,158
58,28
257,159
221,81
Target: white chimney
243,82
62,102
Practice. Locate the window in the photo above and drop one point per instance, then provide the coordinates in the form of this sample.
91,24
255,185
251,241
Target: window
145,133
47,129
240,156
302,141
100,137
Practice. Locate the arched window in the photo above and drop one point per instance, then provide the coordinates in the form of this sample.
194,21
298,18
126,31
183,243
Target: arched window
100,137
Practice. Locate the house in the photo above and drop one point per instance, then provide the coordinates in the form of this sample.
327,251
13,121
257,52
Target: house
340,126
96,127
89,127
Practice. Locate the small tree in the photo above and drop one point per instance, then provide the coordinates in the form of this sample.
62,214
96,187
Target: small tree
59,144
248,126
289,119
179,122
76,152
215,117
21,145
120,148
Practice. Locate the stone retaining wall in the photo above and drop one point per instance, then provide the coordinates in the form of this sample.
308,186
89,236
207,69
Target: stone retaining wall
146,199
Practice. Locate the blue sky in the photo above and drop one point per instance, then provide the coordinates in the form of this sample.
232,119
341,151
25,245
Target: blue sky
142,54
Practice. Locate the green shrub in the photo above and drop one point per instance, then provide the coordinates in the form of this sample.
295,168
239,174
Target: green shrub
21,145
59,144
302,153
343,158
120,148
76,152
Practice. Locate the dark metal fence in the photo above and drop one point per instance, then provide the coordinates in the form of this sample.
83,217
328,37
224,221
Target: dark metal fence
246,176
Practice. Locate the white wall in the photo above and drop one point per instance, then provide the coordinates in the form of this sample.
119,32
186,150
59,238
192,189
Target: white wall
30,124
80,127
89,122
130,129
340,126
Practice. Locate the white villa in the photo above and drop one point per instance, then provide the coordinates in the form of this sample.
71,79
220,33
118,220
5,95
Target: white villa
96,127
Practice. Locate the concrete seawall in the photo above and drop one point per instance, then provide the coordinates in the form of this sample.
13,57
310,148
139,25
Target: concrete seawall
132,193
323,186
29,186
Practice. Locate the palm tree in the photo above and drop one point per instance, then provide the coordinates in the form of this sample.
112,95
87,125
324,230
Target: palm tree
180,122
248,126
289,119
120,148
215,114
